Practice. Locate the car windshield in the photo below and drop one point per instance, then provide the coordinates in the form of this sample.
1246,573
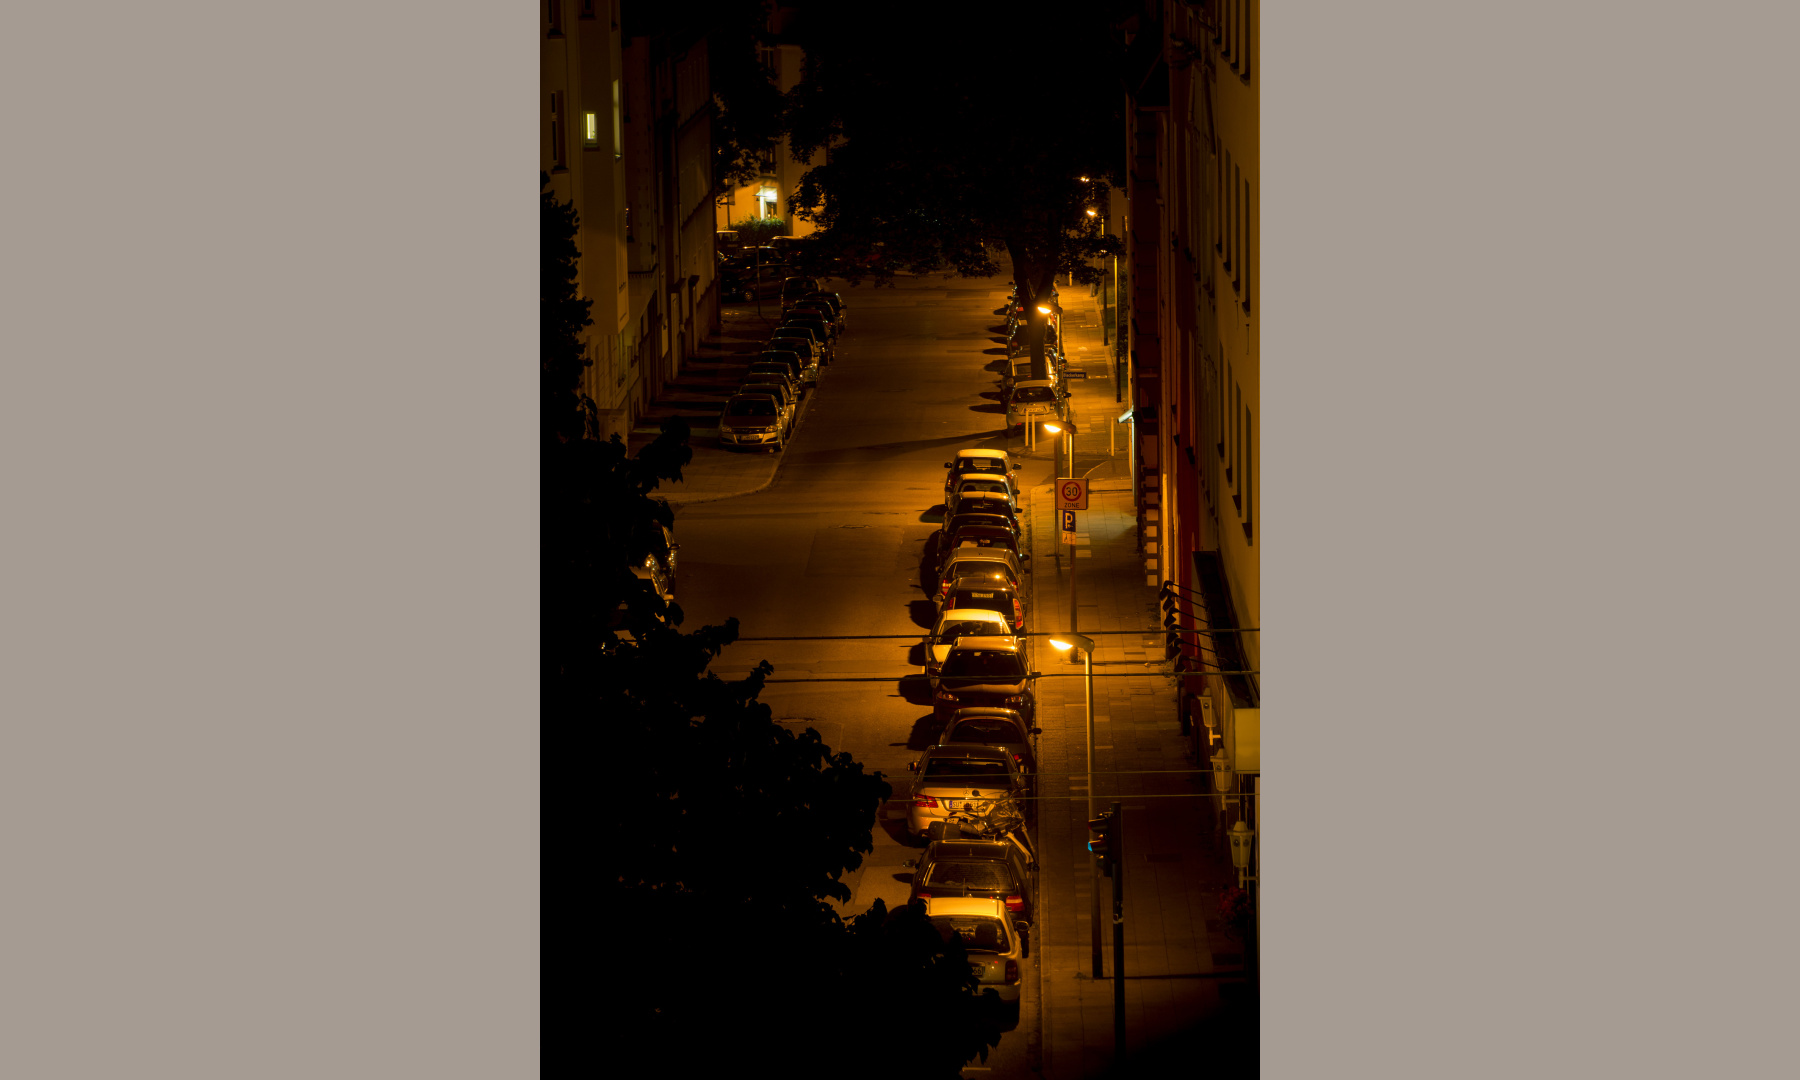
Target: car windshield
982,536
1034,393
779,393
985,664
985,729
794,329
984,484
979,933
983,570
959,768
987,600
770,369
750,407
802,346
980,464
956,628
969,874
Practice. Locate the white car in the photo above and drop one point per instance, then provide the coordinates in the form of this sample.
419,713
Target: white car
955,624
1034,400
972,484
978,461
995,941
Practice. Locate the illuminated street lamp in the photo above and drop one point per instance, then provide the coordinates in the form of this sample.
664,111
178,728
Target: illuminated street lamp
1085,645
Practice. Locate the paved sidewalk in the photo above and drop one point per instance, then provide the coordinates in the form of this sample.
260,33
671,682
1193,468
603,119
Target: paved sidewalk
699,394
1186,997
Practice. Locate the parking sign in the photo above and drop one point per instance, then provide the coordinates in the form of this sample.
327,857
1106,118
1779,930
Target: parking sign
1068,527
1071,494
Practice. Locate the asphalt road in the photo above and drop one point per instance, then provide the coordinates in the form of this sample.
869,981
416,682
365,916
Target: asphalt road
832,549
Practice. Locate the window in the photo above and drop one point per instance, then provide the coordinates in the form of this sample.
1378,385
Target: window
558,162
590,131
1246,260
587,9
618,120
1249,494
1249,43
555,12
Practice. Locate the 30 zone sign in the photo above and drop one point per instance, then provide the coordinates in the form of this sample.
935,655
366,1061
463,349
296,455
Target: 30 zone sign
1071,495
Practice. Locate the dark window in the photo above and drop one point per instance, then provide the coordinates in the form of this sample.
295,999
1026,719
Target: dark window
945,769
557,135
555,12
985,729
985,664
969,874
978,934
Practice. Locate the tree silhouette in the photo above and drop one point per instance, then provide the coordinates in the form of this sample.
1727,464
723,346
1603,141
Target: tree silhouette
714,840
923,158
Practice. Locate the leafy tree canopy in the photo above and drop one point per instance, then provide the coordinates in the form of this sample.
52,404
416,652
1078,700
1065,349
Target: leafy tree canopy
925,159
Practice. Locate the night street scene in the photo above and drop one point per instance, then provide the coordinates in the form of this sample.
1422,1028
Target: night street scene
901,531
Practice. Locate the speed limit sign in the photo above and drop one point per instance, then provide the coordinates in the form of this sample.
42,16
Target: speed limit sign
1071,495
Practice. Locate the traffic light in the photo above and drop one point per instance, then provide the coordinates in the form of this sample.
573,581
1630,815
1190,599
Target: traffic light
1100,842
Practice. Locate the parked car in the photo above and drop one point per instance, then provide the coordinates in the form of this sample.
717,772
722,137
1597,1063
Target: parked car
976,460
771,369
995,564
798,343
982,591
793,288
960,778
987,485
998,503
833,301
816,309
810,319
964,519
993,940
784,396
1034,400
985,671
751,420
994,869
954,624
813,331
806,373
994,726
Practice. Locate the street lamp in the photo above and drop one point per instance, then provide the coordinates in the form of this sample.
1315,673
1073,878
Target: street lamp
1085,645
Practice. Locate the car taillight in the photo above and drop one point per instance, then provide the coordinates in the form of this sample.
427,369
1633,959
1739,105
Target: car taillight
1012,971
1018,759
945,695
1018,612
923,896
1014,699
1015,903
925,802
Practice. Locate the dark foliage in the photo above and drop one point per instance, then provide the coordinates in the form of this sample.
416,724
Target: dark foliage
717,837
927,160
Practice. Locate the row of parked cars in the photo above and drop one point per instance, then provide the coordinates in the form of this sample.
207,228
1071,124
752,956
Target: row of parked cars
975,880
762,413
1031,400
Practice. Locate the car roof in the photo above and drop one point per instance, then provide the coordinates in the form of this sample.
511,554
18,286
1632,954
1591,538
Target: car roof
1023,383
764,397
979,614
969,751
985,642
978,452
967,905
984,554
967,849
974,712
973,581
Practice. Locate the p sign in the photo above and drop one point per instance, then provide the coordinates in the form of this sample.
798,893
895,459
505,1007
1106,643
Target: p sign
1068,527
1071,494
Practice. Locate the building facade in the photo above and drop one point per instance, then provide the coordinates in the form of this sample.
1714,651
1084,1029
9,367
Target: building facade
1193,305
626,137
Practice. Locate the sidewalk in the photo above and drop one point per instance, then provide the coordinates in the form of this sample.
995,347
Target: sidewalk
1186,997
698,394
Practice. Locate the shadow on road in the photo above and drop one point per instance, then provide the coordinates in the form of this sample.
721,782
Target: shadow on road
993,407
935,515
994,352
916,689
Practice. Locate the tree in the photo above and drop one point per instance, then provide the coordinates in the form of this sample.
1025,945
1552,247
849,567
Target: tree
714,838
928,158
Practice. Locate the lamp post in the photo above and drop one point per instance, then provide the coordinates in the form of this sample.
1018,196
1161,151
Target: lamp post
1067,431
1085,646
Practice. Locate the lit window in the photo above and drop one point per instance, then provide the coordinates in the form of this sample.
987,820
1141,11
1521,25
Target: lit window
590,130
618,121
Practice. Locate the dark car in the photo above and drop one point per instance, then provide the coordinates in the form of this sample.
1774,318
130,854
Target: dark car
964,518
772,370
806,373
994,726
794,288
997,503
985,671
816,309
983,591
813,331
802,344
958,780
833,301
993,868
